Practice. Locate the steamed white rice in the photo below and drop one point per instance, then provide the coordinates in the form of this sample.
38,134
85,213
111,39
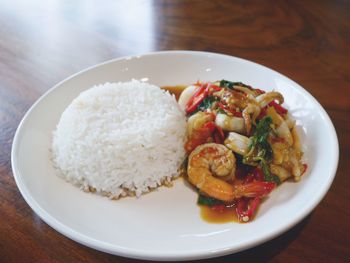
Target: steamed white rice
120,138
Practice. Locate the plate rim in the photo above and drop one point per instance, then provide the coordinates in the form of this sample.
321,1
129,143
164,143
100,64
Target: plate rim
136,253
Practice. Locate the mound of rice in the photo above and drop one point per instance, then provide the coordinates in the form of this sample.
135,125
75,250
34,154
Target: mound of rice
120,139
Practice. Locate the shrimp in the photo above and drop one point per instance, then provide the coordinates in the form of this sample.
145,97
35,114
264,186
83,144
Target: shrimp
210,168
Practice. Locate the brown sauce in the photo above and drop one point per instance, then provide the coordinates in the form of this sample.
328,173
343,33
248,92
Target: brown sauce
218,217
176,90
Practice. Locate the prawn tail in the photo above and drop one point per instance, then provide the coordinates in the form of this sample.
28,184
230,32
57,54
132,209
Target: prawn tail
254,189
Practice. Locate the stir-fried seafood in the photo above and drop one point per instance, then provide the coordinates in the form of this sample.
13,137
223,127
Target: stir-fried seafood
241,144
211,165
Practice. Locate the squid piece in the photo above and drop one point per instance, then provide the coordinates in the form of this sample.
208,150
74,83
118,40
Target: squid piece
264,99
282,128
237,143
250,113
229,123
280,152
290,122
245,90
297,167
185,96
279,171
297,144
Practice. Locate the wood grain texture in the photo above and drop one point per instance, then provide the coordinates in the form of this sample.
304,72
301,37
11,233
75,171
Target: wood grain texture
42,42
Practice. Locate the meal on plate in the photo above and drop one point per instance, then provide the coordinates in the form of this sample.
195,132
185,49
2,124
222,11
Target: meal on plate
235,142
120,139
241,143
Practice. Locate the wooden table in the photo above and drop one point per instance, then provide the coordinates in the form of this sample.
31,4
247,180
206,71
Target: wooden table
42,42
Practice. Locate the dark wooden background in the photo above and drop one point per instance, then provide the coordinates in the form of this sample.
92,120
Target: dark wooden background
43,42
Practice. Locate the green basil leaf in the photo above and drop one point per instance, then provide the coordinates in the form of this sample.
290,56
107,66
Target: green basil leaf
208,201
231,84
267,174
207,103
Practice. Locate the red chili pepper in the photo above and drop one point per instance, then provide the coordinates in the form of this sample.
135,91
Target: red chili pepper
197,98
280,110
246,208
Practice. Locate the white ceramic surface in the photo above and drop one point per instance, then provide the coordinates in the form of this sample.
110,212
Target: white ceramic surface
166,224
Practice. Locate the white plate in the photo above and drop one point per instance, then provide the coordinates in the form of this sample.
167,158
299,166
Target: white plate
166,224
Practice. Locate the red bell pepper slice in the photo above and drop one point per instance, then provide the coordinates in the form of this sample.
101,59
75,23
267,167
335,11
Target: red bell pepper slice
280,110
196,99
203,92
